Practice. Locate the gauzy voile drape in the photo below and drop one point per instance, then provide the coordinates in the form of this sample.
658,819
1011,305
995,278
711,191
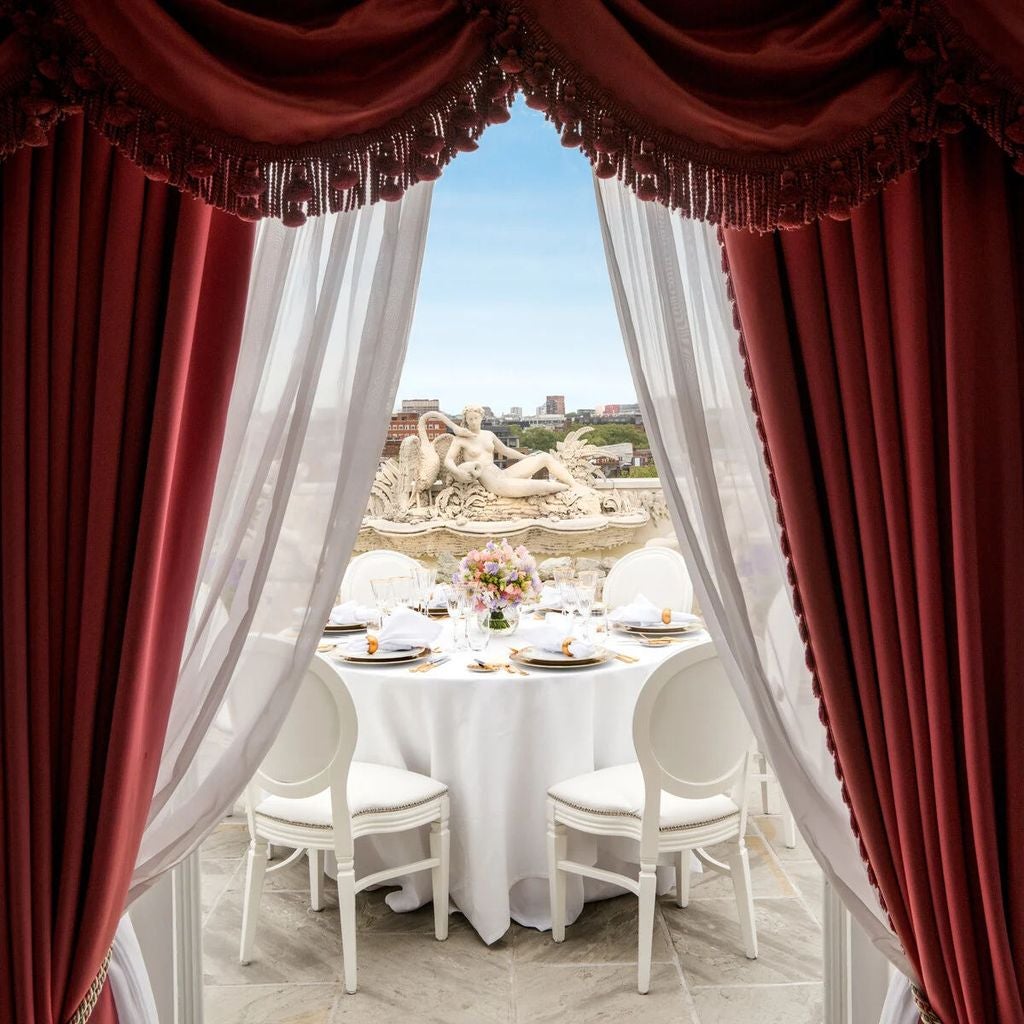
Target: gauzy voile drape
121,304
887,359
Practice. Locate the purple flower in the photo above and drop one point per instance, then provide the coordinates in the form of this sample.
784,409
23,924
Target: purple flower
490,567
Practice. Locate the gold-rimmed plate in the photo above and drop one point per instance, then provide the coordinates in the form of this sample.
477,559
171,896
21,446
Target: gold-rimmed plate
659,629
334,629
548,659
382,657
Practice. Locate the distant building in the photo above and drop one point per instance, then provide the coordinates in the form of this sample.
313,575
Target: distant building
403,424
642,457
554,405
621,454
544,419
583,415
421,405
515,413
601,411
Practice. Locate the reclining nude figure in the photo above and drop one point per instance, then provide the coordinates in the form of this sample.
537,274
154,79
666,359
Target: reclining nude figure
471,457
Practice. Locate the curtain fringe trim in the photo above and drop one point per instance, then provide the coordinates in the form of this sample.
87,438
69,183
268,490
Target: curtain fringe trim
92,997
66,73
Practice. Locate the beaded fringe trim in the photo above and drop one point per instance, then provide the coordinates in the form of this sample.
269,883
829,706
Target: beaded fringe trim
66,73
92,997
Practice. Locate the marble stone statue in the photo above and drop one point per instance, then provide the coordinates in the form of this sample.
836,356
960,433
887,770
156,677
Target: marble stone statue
471,457
451,489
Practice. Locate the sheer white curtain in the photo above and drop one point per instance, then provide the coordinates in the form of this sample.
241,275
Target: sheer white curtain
676,320
327,324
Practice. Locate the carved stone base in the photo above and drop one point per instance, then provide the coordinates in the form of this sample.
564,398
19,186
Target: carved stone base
431,538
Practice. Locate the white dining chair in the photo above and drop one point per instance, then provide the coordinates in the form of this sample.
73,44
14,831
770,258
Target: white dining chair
660,574
687,791
310,795
373,565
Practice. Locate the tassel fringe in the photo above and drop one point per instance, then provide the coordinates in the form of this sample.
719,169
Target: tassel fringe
65,73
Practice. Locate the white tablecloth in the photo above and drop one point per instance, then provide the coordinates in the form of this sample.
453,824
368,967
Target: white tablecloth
498,741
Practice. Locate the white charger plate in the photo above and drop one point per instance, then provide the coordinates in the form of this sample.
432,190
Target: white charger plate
552,659
382,657
659,627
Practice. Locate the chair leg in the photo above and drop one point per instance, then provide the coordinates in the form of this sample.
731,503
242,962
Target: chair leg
648,891
739,868
558,843
347,909
255,869
788,826
440,849
316,879
683,878
762,761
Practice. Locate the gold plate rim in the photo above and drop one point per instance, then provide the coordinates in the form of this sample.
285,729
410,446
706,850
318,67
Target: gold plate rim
603,656
369,659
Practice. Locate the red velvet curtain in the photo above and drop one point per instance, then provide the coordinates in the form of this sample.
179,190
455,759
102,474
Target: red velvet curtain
746,112
121,305
887,361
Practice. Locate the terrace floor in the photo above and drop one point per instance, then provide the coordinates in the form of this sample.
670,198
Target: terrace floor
700,975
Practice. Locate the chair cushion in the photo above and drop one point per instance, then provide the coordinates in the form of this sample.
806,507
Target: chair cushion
620,791
371,788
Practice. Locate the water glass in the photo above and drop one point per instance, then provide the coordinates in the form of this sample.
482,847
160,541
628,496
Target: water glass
478,633
403,588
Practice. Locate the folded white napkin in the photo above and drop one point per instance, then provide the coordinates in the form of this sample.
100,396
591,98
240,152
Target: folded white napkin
405,630
551,639
438,597
643,612
349,614
550,597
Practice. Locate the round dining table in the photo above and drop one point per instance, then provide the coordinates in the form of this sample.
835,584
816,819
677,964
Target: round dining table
498,741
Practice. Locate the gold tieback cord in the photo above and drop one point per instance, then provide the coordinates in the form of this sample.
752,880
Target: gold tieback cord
928,1015
92,997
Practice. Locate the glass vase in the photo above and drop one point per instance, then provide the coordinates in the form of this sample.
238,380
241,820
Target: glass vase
501,620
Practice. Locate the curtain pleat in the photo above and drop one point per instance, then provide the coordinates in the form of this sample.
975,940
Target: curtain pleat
121,306
887,361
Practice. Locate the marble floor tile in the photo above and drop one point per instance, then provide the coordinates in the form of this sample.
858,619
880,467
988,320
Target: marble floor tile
414,978
706,936
292,877
765,1004
771,827
229,839
605,933
270,1004
293,943
215,877
566,994
810,882
767,876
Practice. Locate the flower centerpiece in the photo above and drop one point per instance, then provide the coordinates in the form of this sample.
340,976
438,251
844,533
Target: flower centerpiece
495,580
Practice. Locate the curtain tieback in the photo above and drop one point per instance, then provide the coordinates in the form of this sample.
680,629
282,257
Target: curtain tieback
928,1015
92,997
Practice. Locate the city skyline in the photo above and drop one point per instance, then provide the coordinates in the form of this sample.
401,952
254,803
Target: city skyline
514,289
511,409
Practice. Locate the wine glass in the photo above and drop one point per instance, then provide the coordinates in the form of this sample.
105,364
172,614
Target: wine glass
585,601
456,602
570,603
424,582
383,596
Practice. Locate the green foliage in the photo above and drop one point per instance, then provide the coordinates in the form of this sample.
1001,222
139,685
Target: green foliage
515,430
618,433
643,471
538,439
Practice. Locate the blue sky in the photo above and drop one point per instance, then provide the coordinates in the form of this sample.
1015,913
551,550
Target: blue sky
514,300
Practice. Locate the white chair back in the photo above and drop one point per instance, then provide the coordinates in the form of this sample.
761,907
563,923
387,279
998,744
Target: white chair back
658,573
690,733
373,565
314,748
